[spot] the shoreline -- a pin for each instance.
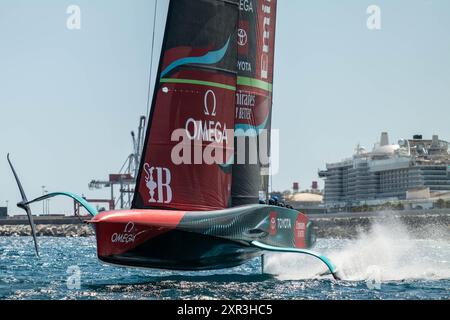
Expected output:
(48, 230)
(421, 224)
(350, 226)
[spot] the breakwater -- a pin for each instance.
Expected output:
(46, 226)
(421, 224)
(48, 230)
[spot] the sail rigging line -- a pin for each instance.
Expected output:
(149, 95)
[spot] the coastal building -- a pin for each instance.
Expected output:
(412, 170)
(308, 202)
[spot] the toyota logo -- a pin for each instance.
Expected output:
(242, 37)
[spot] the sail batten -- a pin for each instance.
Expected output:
(199, 82)
(254, 83)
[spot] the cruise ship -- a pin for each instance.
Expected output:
(411, 169)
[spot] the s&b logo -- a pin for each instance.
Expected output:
(158, 182)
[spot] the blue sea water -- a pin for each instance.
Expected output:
(380, 265)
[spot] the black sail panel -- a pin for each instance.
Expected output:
(256, 47)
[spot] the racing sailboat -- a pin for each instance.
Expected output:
(197, 199)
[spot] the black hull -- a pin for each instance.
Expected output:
(194, 241)
(184, 251)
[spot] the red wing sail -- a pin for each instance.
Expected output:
(256, 47)
(193, 107)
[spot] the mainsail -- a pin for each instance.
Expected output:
(193, 109)
(256, 47)
(214, 88)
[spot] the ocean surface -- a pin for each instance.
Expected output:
(387, 263)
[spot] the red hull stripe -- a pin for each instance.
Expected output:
(121, 231)
(153, 218)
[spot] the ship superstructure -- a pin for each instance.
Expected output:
(390, 172)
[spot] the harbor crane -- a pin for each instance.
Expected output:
(125, 180)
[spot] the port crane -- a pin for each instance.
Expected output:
(125, 180)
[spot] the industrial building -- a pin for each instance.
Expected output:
(411, 171)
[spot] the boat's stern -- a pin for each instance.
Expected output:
(120, 232)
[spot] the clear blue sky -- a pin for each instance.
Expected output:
(69, 99)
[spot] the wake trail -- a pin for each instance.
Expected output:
(388, 252)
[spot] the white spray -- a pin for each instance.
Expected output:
(387, 253)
